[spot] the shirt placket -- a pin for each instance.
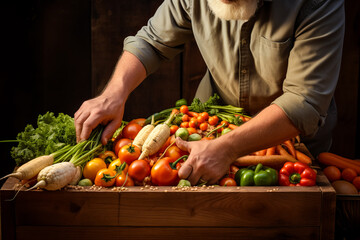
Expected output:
(244, 66)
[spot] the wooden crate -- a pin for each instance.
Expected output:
(164, 213)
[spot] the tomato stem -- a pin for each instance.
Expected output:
(173, 164)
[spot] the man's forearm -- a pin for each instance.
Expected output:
(269, 128)
(128, 74)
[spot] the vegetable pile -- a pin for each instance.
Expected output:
(143, 151)
(343, 173)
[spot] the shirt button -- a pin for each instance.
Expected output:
(243, 41)
(244, 71)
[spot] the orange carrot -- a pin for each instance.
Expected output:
(270, 151)
(301, 157)
(247, 119)
(347, 159)
(289, 145)
(283, 152)
(340, 162)
(260, 152)
(275, 161)
(193, 114)
(232, 126)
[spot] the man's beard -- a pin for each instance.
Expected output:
(233, 10)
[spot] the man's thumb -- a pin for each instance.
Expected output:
(183, 145)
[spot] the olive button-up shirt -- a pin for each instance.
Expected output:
(288, 53)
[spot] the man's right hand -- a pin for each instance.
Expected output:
(106, 110)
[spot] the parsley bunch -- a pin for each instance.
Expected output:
(51, 134)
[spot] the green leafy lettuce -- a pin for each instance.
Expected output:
(51, 134)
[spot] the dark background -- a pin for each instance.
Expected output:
(56, 54)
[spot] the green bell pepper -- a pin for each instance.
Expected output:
(256, 176)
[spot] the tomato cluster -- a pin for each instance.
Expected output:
(194, 121)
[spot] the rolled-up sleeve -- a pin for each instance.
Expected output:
(313, 67)
(164, 36)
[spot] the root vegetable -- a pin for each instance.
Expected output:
(31, 168)
(302, 157)
(76, 177)
(56, 176)
(157, 138)
(331, 159)
(274, 161)
(142, 135)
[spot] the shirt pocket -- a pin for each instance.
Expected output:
(273, 59)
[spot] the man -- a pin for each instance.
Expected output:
(279, 60)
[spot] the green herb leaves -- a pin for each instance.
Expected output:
(51, 134)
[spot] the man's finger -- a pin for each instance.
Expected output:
(183, 145)
(109, 131)
(185, 171)
(79, 121)
(87, 128)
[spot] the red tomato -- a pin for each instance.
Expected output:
(115, 165)
(205, 115)
(184, 109)
(140, 121)
(227, 181)
(139, 169)
(332, 173)
(173, 129)
(174, 152)
(348, 174)
(220, 129)
(174, 111)
(129, 153)
(120, 143)
(213, 120)
(131, 130)
(200, 119)
(163, 173)
(185, 118)
(203, 126)
(224, 122)
(108, 156)
(105, 178)
(93, 167)
(193, 123)
(184, 124)
(356, 182)
(124, 180)
(191, 130)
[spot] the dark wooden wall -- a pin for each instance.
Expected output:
(58, 53)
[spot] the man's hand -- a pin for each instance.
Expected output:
(100, 110)
(208, 161)
(108, 108)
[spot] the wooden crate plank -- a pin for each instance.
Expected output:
(328, 207)
(66, 208)
(149, 233)
(235, 209)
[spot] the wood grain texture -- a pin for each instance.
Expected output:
(163, 212)
(159, 233)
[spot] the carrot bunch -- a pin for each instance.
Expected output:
(275, 156)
